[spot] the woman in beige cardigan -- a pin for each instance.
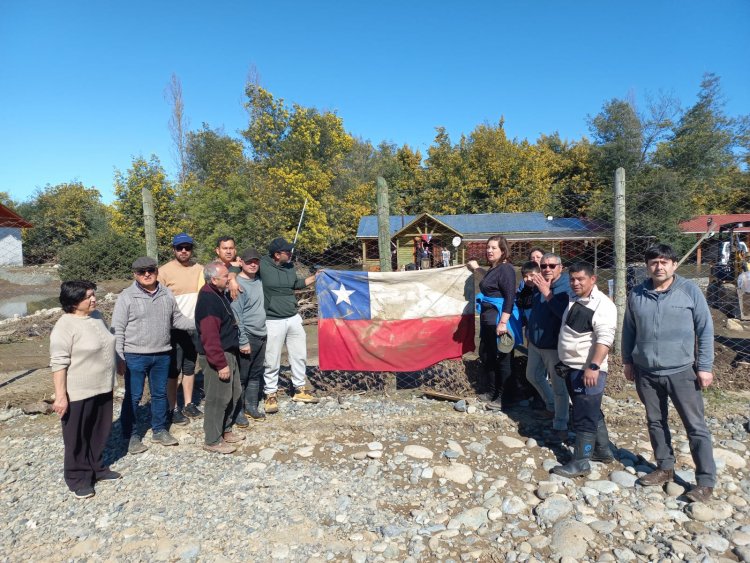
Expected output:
(82, 359)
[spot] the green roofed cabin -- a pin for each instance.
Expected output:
(565, 236)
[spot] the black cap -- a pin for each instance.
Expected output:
(279, 245)
(250, 254)
(144, 262)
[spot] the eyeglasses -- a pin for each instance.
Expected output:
(183, 247)
(144, 271)
(548, 266)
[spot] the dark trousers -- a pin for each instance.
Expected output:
(184, 355)
(587, 401)
(251, 366)
(684, 390)
(496, 365)
(221, 398)
(85, 429)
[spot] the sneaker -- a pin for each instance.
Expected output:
(84, 492)
(657, 477)
(220, 448)
(109, 475)
(164, 438)
(700, 493)
(495, 405)
(136, 446)
(191, 411)
(302, 396)
(178, 418)
(232, 438)
(272, 404)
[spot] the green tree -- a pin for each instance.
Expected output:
(62, 215)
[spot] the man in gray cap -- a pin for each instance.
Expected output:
(144, 315)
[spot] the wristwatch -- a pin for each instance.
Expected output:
(594, 367)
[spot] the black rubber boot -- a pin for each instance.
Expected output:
(602, 450)
(580, 464)
(252, 394)
(487, 382)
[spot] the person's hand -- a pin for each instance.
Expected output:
(501, 329)
(224, 374)
(590, 377)
(121, 367)
(472, 265)
(234, 288)
(60, 406)
(245, 349)
(541, 283)
(705, 378)
(628, 372)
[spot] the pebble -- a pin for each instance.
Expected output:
(553, 508)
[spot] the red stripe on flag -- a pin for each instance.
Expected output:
(403, 345)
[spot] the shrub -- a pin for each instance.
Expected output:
(102, 257)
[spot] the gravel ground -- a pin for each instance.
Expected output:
(373, 478)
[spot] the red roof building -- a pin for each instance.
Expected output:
(700, 225)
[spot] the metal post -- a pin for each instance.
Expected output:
(149, 223)
(620, 259)
(384, 225)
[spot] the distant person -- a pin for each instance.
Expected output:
(446, 255)
(549, 302)
(219, 347)
(249, 309)
(423, 256)
(183, 277)
(525, 293)
(586, 336)
(536, 253)
(83, 361)
(498, 316)
(145, 313)
(668, 350)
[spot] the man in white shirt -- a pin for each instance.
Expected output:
(586, 335)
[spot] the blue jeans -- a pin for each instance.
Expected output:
(138, 367)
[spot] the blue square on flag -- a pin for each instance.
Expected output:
(343, 295)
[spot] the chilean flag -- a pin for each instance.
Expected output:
(395, 321)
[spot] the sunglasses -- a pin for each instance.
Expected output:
(548, 266)
(144, 271)
(183, 247)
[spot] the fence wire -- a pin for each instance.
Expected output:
(32, 265)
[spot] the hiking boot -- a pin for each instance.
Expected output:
(221, 448)
(178, 418)
(495, 405)
(272, 404)
(579, 466)
(700, 493)
(301, 395)
(240, 420)
(191, 411)
(164, 438)
(108, 475)
(232, 438)
(657, 477)
(86, 491)
(602, 450)
(136, 446)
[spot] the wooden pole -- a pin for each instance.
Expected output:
(149, 223)
(384, 225)
(620, 259)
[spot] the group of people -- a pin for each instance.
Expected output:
(233, 316)
(569, 327)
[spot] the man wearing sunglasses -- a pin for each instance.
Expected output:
(144, 315)
(183, 277)
(549, 301)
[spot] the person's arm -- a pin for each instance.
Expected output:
(704, 330)
(627, 342)
(119, 323)
(180, 321)
(60, 351)
(238, 309)
(474, 266)
(604, 328)
(60, 406)
(508, 291)
(596, 356)
(211, 340)
(234, 285)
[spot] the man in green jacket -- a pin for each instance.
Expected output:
(283, 323)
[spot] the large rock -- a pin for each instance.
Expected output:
(554, 508)
(708, 511)
(510, 442)
(471, 519)
(604, 487)
(731, 459)
(513, 505)
(714, 542)
(623, 478)
(456, 472)
(418, 452)
(571, 538)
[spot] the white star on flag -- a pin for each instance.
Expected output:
(342, 294)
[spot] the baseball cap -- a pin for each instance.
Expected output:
(144, 262)
(505, 342)
(279, 245)
(182, 238)
(250, 254)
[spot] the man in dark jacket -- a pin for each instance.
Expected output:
(219, 348)
(668, 350)
(551, 295)
(283, 323)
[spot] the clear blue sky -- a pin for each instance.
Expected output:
(82, 83)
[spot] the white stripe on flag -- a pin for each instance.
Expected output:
(439, 292)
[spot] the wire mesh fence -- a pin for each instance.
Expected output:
(33, 260)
